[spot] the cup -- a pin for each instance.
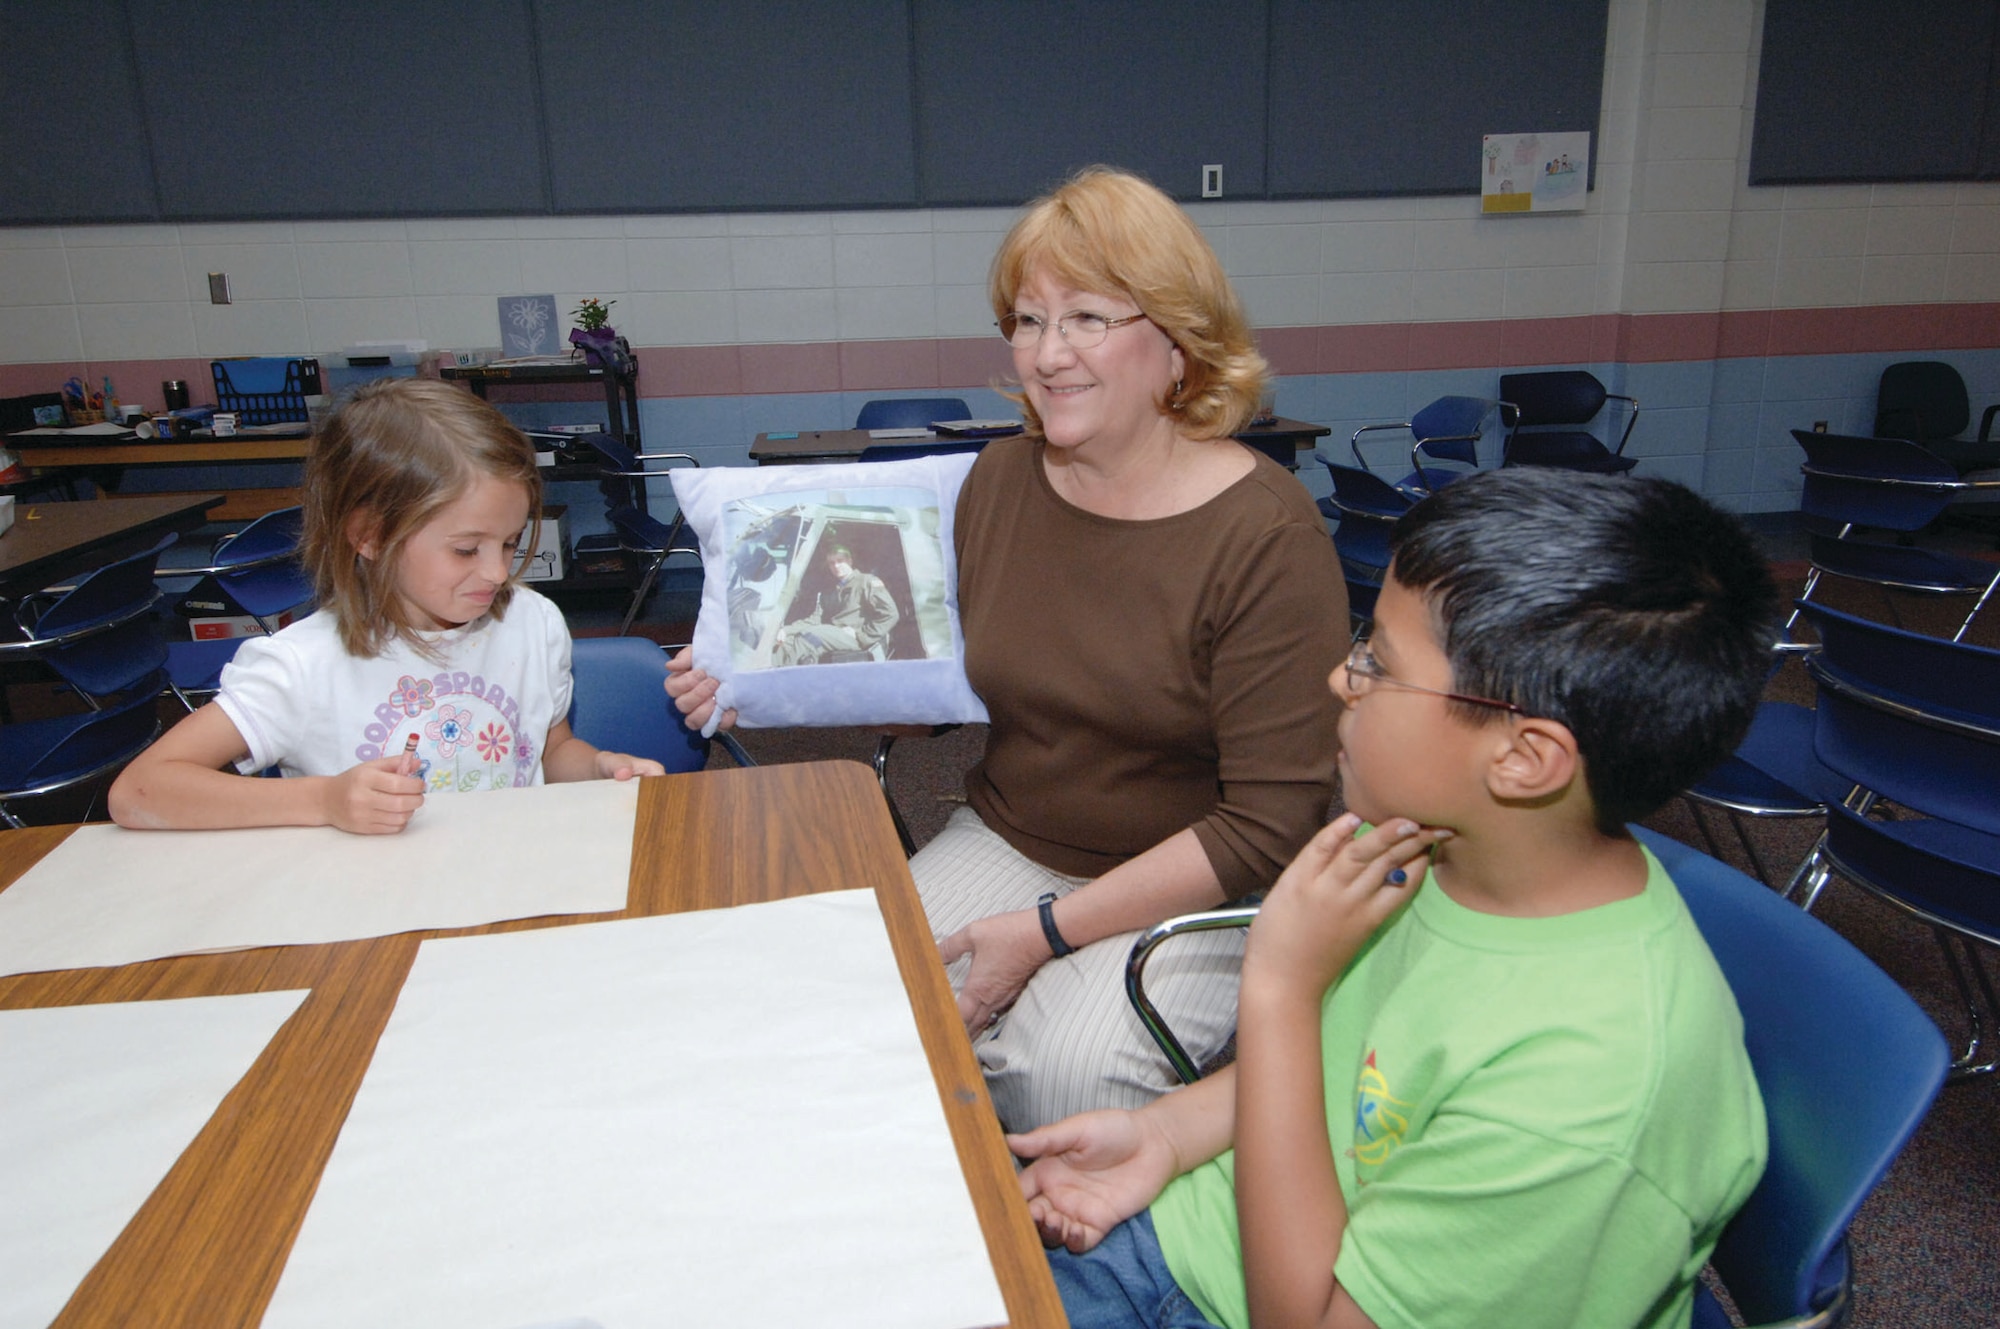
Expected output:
(175, 393)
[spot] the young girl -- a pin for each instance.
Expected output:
(417, 493)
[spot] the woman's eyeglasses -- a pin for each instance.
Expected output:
(1364, 674)
(1081, 330)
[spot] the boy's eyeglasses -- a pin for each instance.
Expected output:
(1363, 674)
(1081, 330)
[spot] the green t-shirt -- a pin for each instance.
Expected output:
(1535, 1122)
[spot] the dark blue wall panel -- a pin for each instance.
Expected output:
(1015, 96)
(291, 108)
(666, 105)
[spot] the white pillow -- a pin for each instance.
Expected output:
(765, 532)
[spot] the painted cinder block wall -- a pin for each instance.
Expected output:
(1733, 313)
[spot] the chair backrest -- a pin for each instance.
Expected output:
(103, 636)
(1847, 1065)
(618, 700)
(922, 447)
(909, 412)
(105, 739)
(1450, 428)
(1886, 482)
(1913, 718)
(1369, 507)
(273, 580)
(1921, 399)
(1554, 396)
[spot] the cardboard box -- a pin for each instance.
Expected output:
(550, 555)
(220, 626)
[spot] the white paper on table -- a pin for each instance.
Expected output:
(96, 1104)
(722, 1118)
(109, 896)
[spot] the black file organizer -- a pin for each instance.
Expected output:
(262, 391)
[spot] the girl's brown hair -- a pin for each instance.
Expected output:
(1109, 231)
(397, 451)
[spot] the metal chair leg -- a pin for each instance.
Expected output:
(881, 765)
(1966, 1064)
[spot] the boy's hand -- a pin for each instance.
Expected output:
(1335, 894)
(1006, 950)
(693, 692)
(623, 765)
(374, 798)
(1091, 1172)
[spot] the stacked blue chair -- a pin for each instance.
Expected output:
(1366, 508)
(104, 640)
(1847, 1065)
(623, 475)
(1854, 484)
(1552, 408)
(1447, 430)
(259, 568)
(1915, 720)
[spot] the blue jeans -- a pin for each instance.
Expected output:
(1123, 1283)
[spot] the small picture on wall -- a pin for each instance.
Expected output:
(528, 326)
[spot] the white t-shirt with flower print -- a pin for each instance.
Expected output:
(481, 711)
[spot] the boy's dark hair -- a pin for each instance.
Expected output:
(1631, 610)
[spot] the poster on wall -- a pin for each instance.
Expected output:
(1533, 172)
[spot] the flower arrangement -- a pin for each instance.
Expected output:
(591, 314)
(595, 338)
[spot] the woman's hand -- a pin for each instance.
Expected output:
(1092, 1172)
(693, 692)
(1339, 889)
(1006, 950)
(374, 798)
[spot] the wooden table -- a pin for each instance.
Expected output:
(1280, 440)
(52, 541)
(104, 465)
(207, 1247)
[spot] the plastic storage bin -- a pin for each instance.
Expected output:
(262, 391)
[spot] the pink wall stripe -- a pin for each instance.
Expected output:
(975, 362)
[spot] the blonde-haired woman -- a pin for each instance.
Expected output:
(1150, 610)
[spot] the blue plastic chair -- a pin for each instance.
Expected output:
(1550, 409)
(1847, 1065)
(1916, 720)
(102, 638)
(259, 568)
(618, 700)
(1846, 1062)
(910, 412)
(1367, 508)
(1446, 430)
(1852, 483)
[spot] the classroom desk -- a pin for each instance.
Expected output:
(1281, 441)
(208, 1245)
(103, 464)
(53, 541)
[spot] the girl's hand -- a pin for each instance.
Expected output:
(374, 798)
(623, 765)
(1091, 1172)
(1332, 898)
(693, 691)
(1006, 950)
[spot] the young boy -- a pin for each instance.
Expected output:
(1487, 1071)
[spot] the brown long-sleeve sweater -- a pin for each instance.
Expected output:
(1147, 676)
